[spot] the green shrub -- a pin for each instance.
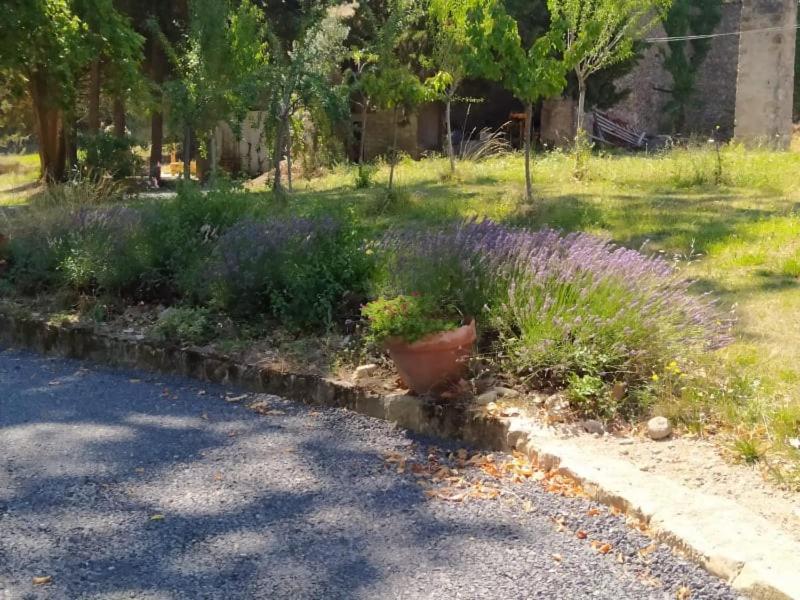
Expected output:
(35, 249)
(365, 173)
(409, 318)
(559, 310)
(791, 267)
(83, 189)
(178, 236)
(186, 325)
(108, 154)
(299, 271)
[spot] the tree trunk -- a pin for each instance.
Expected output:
(278, 154)
(156, 144)
(289, 159)
(580, 134)
(362, 143)
(187, 153)
(70, 143)
(157, 65)
(393, 159)
(93, 123)
(450, 152)
(119, 117)
(581, 103)
(212, 155)
(50, 131)
(528, 127)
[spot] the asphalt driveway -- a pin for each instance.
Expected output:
(117, 484)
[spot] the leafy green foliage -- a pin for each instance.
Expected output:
(530, 73)
(300, 76)
(214, 250)
(48, 45)
(217, 66)
(408, 318)
(108, 154)
(364, 176)
(455, 24)
(300, 272)
(601, 33)
(185, 324)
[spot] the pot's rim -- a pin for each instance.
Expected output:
(443, 340)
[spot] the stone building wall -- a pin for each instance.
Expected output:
(765, 84)
(715, 83)
(744, 86)
(380, 132)
(642, 107)
(558, 125)
(715, 97)
(250, 153)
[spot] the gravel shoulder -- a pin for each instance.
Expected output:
(119, 484)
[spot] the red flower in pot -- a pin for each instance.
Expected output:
(429, 345)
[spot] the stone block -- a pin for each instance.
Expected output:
(404, 410)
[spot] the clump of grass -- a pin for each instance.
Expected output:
(791, 267)
(81, 189)
(185, 324)
(748, 449)
(364, 176)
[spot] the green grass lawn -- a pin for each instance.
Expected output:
(18, 176)
(739, 239)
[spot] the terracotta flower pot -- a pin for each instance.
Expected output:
(434, 360)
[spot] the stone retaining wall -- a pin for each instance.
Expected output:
(445, 418)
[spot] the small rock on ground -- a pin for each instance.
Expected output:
(364, 371)
(658, 428)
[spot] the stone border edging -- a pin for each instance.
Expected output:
(729, 541)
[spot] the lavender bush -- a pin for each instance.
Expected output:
(82, 247)
(298, 270)
(559, 308)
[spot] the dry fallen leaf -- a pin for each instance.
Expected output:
(647, 550)
(43, 580)
(580, 534)
(559, 521)
(593, 512)
(449, 494)
(601, 547)
(683, 593)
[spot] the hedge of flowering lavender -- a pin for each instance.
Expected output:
(297, 270)
(559, 308)
(79, 247)
(197, 250)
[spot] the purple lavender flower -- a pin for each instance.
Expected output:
(570, 302)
